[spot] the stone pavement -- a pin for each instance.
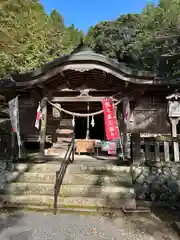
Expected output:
(39, 226)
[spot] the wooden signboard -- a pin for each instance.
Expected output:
(110, 147)
(174, 109)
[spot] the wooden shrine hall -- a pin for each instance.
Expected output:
(70, 91)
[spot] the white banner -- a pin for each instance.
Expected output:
(14, 116)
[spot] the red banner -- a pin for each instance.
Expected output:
(110, 121)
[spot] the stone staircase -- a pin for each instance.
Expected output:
(88, 185)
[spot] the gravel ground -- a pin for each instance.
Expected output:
(39, 226)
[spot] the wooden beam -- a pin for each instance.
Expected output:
(77, 99)
(59, 90)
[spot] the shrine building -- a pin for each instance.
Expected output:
(70, 91)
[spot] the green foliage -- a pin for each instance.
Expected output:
(29, 37)
(144, 40)
(110, 37)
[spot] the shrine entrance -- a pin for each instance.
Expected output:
(84, 122)
(98, 131)
(96, 128)
(80, 128)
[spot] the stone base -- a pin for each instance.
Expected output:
(177, 227)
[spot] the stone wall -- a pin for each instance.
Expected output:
(157, 183)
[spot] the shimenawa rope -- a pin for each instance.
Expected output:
(81, 114)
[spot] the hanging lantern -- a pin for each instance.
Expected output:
(92, 122)
(56, 112)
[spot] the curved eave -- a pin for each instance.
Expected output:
(83, 61)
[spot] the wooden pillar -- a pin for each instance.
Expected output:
(174, 122)
(43, 125)
(126, 135)
(174, 115)
(136, 154)
(87, 130)
(147, 149)
(142, 151)
(157, 151)
(166, 152)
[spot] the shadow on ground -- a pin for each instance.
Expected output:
(157, 223)
(152, 225)
(10, 219)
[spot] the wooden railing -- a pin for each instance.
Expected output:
(69, 158)
(156, 149)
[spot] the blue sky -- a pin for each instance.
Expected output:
(85, 13)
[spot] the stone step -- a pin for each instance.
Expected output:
(75, 209)
(78, 179)
(101, 169)
(64, 131)
(37, 158)
(64, 139)
(93, 161)
(70, 190)
(69, 202)
(79, 159)
(63, 135)
(49, 167)
(60, 145)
